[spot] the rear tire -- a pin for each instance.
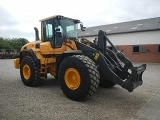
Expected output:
(29, 71)
(79, 77)
(1, 56)
(106, 83)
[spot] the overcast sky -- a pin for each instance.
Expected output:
(19, 17)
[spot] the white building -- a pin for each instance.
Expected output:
(139, 40)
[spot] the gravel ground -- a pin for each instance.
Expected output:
(19, 102)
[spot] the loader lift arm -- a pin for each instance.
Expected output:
(108, 62)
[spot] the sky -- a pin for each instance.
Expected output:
(19, 17)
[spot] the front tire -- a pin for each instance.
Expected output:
(79, 77)
(29, 71)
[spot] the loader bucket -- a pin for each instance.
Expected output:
(135, 79)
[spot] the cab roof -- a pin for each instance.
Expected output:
(58, 16)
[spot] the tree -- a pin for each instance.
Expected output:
(14, 43)
(4, 44)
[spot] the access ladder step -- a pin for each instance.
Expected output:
(43, 72)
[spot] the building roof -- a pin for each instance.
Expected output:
(124, 27)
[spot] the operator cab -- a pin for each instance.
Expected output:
(57, 28)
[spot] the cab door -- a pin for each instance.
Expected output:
(53, 33)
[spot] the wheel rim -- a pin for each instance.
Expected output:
(26, 72)
(72, 78)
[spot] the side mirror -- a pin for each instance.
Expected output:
(82, 28)
(58, 29)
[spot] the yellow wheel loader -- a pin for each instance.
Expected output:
(80, 68)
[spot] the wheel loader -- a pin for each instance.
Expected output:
(81, 67)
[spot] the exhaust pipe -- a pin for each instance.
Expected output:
(36, 34)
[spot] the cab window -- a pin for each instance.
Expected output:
(48, 31)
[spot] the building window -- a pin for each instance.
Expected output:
(159, 48)
(139, 49)
(135, 49)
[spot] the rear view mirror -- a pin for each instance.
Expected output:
(82, 28)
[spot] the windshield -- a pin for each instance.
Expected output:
(67, 27)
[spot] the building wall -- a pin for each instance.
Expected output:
(147, 37)
(151, 53)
